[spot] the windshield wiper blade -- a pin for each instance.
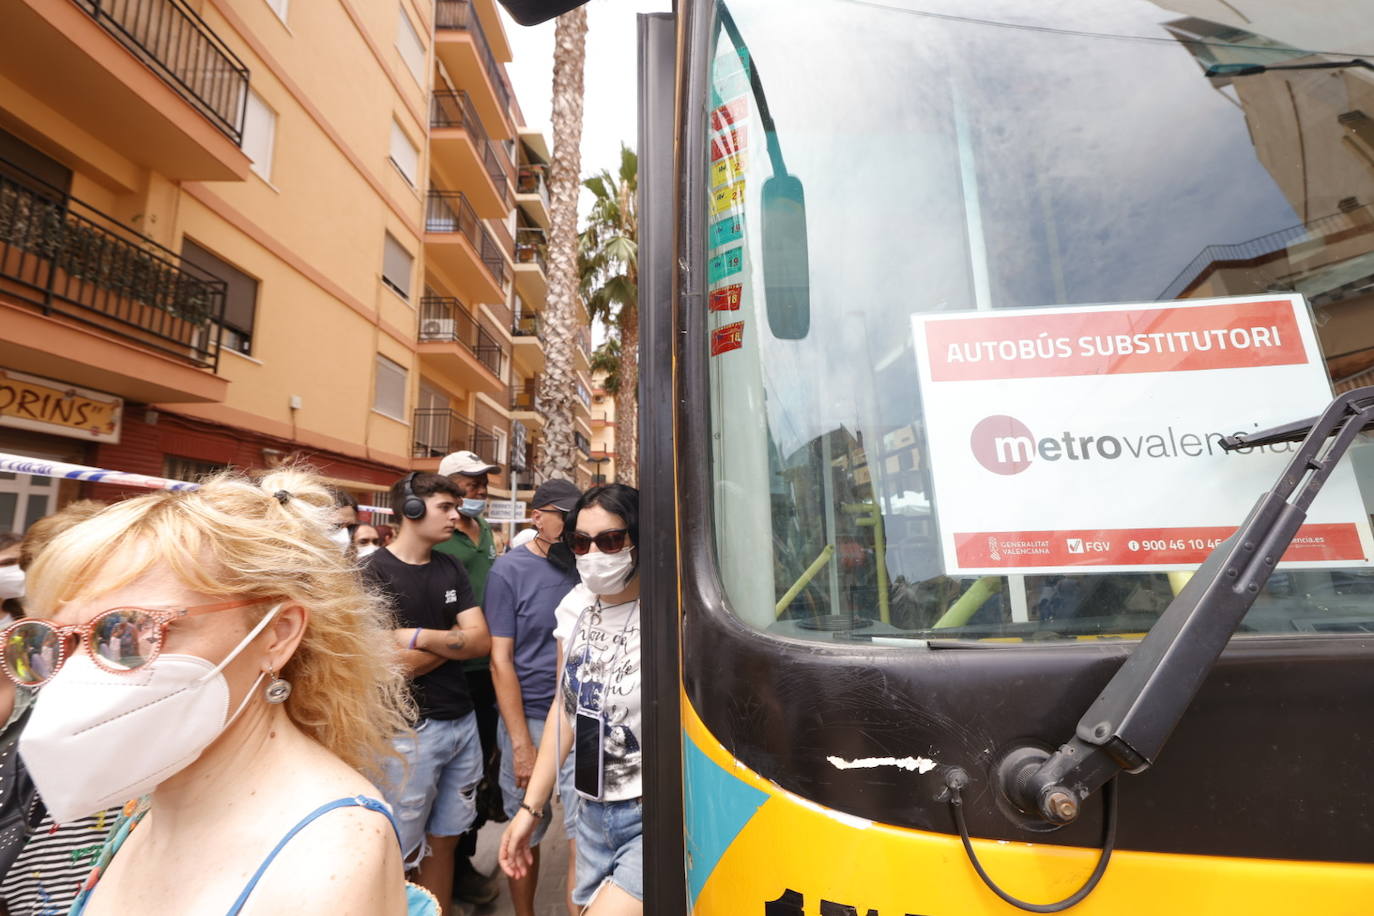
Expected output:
(1286, 432)
(1126, 727)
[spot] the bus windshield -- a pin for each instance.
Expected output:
(989, 280)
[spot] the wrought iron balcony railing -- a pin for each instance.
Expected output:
(439, 431)
(454, 108)
(184, 51)
(584, 444)
(460, 15)
(525, 326)
(449, 211)
(72, 260)
(530, 247)
(443, 318)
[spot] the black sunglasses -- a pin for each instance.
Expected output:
(612, 541)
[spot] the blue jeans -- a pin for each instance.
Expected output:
(512, 796)
(433, 789)
(610, 848)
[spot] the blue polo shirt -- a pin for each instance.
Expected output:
(523, 590)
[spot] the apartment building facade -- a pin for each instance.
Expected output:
(238, 233)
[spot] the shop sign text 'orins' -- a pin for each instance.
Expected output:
(1088, 437)
(48, 406)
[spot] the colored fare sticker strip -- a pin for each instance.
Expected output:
(729, 114)
(725, 299)
(729, 143)
(728, 197)
(727, 337)
(725, 231)
(725, 264)
(727, 169)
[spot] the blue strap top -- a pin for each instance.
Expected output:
(418, 901)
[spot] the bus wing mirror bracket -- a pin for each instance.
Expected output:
(1127, 725)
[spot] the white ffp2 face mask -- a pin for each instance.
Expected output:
(97, 739)
(11, 582)
(605, 573)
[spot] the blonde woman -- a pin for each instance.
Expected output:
(257, 688)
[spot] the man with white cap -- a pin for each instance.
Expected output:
(472, 545)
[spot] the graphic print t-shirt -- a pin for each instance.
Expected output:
(429, 596)
(601, 673)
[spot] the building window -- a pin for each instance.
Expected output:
(396, 267)
(389, 388)
(404, 154)
(259, 134)
(174, 467)
(411, 48)
(279, 7)
(500, 456)
(240, 300)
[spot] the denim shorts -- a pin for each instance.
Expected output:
(513, 796)
(610, 848)
(434, 791)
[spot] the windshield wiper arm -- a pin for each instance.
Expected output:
(1252, 69)
(1128, 723)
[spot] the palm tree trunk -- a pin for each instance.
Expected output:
(627, 400)
(557, 327)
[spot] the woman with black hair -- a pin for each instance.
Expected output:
(599, 705)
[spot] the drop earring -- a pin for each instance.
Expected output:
(278, 688)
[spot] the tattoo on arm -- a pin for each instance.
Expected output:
(457, 639)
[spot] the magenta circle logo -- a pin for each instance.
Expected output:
(1002, 444)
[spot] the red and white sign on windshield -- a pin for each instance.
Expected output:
(1087, 438)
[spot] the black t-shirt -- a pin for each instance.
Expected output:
(428, 596)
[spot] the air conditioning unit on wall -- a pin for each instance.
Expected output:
(436, 329)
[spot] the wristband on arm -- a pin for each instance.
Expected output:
(537, 815)
(415, 637)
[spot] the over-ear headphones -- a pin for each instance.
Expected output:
(412, 506)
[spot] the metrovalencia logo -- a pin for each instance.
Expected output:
(1004, 445)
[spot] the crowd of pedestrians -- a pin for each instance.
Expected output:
(245, 698)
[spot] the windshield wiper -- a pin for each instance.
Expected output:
(1252, 69)
(1128, 723)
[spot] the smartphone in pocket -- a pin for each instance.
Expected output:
(589, 762)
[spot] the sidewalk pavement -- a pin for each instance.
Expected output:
(551, 897)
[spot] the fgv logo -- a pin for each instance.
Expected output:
(1003, 444)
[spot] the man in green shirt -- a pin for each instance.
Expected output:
(473, 546)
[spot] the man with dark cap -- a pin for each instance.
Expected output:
(523, 590)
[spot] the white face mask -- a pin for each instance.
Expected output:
(366, 550)
(97, 739)
(11, 582)
(340, 536)
(605, 573)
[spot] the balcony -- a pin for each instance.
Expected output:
(582, 353)
(439, 431)
(84, 297)
(147, 78)
(452, 342)
(462, 45)
(528, 351)
(461, 151)
(532, 194)
(584, 444)
(459, 246)
(531, 266)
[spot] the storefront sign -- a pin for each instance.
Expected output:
(503, 510)
(47, 406)
(1087, 437)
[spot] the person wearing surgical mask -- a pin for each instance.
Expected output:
(366, 540)
(597, 632)
(205, 653)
